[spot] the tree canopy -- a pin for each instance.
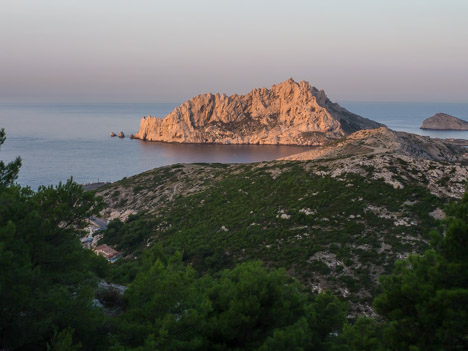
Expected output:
(425, 300)
(46, 277)
(246, 308)
(8, 172)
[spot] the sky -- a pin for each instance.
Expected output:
(170, 51)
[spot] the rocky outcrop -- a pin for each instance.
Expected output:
(384, 140)
(289, 113)
(443, 121)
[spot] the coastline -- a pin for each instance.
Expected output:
(56, 141)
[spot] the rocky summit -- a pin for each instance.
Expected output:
(443, 121)
(288, 113)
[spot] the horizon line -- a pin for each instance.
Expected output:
(181, 102)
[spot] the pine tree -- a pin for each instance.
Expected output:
(46, 277)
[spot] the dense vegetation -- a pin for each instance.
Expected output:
(185, 292)
(337, 233)
(47, 279)
(247, 308)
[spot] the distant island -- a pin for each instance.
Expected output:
(443, 121)
(288, 113)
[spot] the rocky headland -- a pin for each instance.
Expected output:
(288, 113)
(443, 121)
(384, 140)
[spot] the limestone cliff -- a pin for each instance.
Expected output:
(289, 113)
(443, 121)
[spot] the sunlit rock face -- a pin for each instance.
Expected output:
(288, 113)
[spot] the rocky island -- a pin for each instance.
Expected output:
(288, 113)
(443, 121)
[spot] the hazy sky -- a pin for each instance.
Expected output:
(156, 51)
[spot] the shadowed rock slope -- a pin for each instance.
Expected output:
(289, 113)
(384, 140)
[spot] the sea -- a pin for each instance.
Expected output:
(57, 141)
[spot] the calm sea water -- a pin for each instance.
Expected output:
(57, 141)
(408, 116)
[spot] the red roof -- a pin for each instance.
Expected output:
(106, 251)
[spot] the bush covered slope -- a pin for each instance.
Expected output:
(335, 225)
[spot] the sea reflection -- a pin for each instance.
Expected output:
(189, 153)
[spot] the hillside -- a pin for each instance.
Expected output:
(288, 113)
(335, 224)
(384, 140)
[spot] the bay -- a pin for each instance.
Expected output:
(57, 141)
